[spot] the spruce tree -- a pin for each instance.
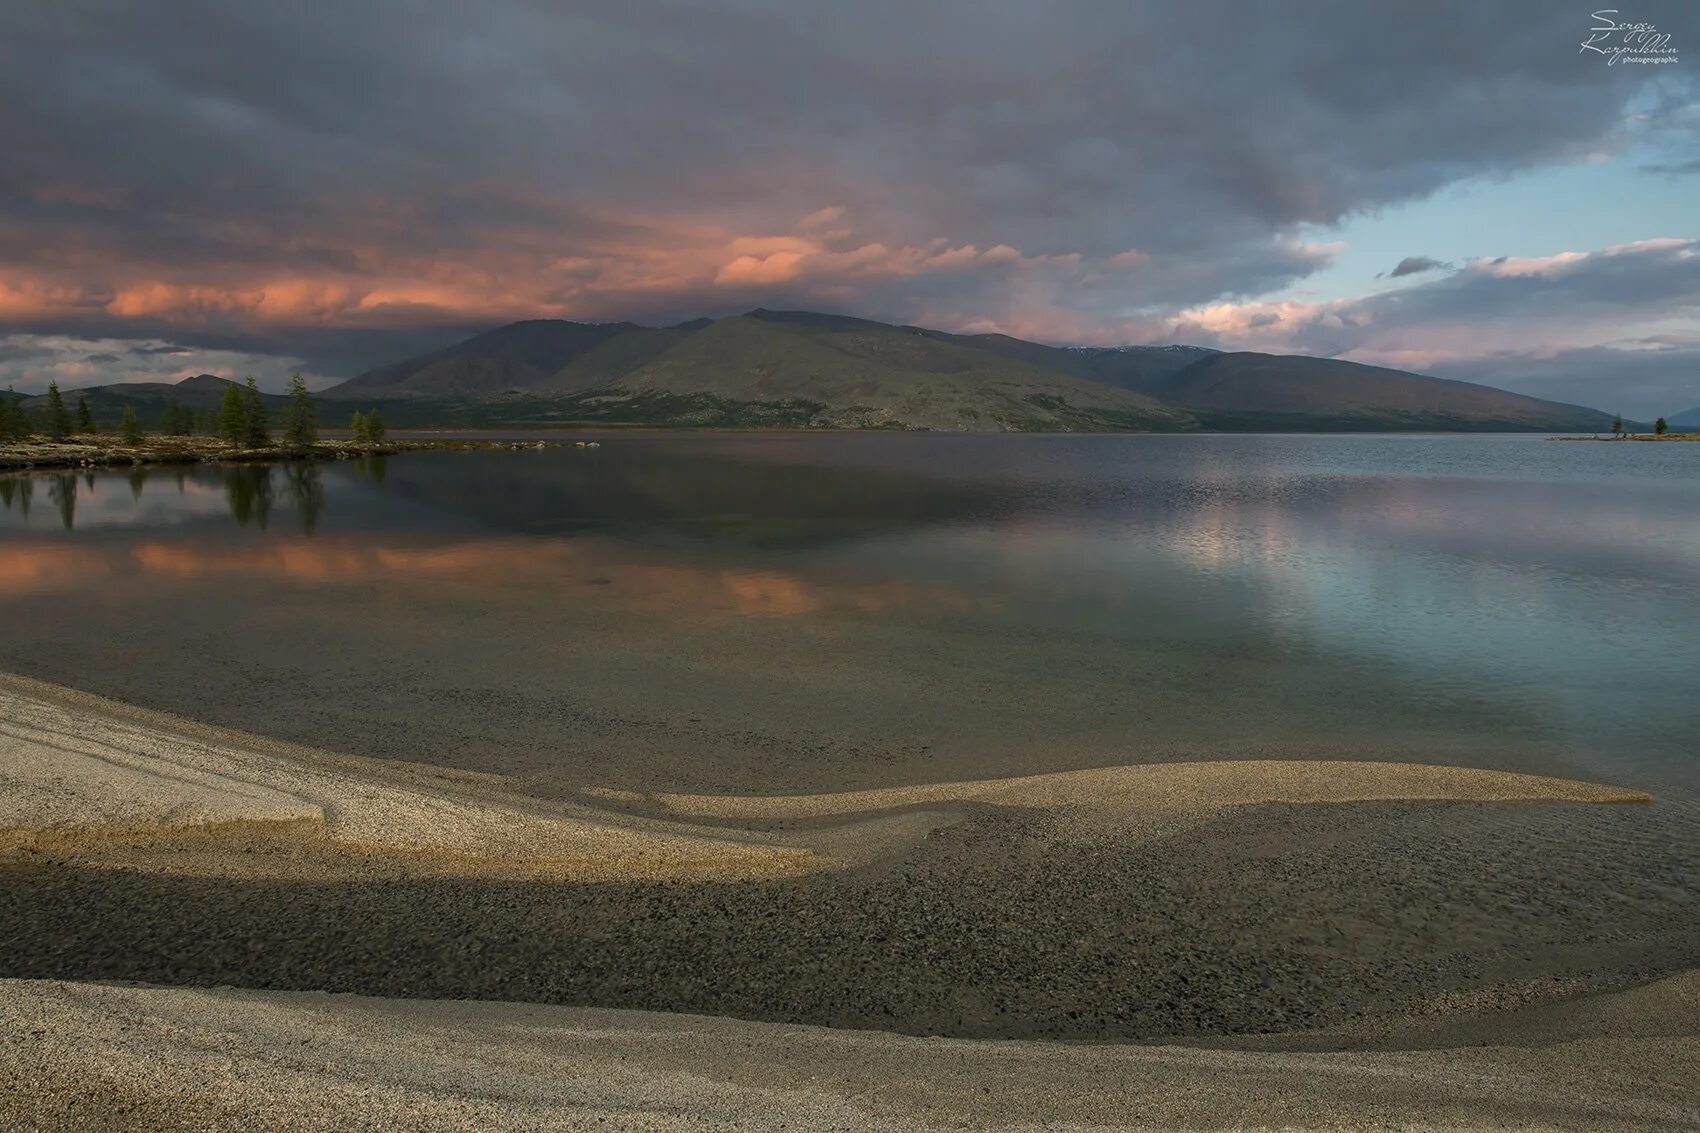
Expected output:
(357, 426)
(58, 418)
(130, 427)
(374, 428)
(179, 419)
(13, 425)
(259, 433)
(301, 423)
(1617, 425)
(233, 415)
(1660, 426)
(85, 419)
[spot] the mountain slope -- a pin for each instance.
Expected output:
(1687, 419)
(513, 357)
(1136, 368)
(1247, 390)
(867, 373)
(615, 357)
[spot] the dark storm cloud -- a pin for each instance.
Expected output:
(346, 185)
(1416, 265)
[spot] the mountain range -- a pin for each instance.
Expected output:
(200, 393)
(803, 369)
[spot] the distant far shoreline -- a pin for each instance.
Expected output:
(1635, 437)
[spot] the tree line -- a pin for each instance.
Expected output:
(241, 419)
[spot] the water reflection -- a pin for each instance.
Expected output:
(248, 491)
(18, 491)
(1099, 598)
(62, 490)
(306, 491)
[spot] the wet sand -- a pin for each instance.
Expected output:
(1321, 905)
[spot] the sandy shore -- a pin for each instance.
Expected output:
(92, 1057)
(1496, 950)
(90, 780)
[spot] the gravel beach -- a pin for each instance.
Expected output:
(1320, 905)
(97, 1058)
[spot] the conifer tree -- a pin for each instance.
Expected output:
(301, 422)
(85, 419)
(233, 415)
(374, 428)
(259, 434)
(357, 426)
(14, 426)
(130, 426)
(1660, 426)
(58, 418)
(179, 419)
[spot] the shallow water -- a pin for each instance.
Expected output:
(806, 612)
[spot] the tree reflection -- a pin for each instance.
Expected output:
(373, 468)
(248, 491)
(306, 492)
(62, 490)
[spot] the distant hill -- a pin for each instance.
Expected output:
(1276, 391)
(764, 368)
(1687, 419)
(802, 369)
(149, 399)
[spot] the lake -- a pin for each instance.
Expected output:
(796, 612)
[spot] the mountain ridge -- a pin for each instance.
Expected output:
(788, 367)
(806, 369)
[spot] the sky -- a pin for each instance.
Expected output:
(1459, 189)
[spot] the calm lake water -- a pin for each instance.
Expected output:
(805, 612)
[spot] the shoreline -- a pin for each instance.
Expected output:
(51, 455)
(92, 780)
(1659, 437)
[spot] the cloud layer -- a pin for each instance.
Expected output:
(273, 181)
(1577, 326)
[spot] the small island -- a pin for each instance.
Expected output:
(1636, 437)
(1661, 432)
